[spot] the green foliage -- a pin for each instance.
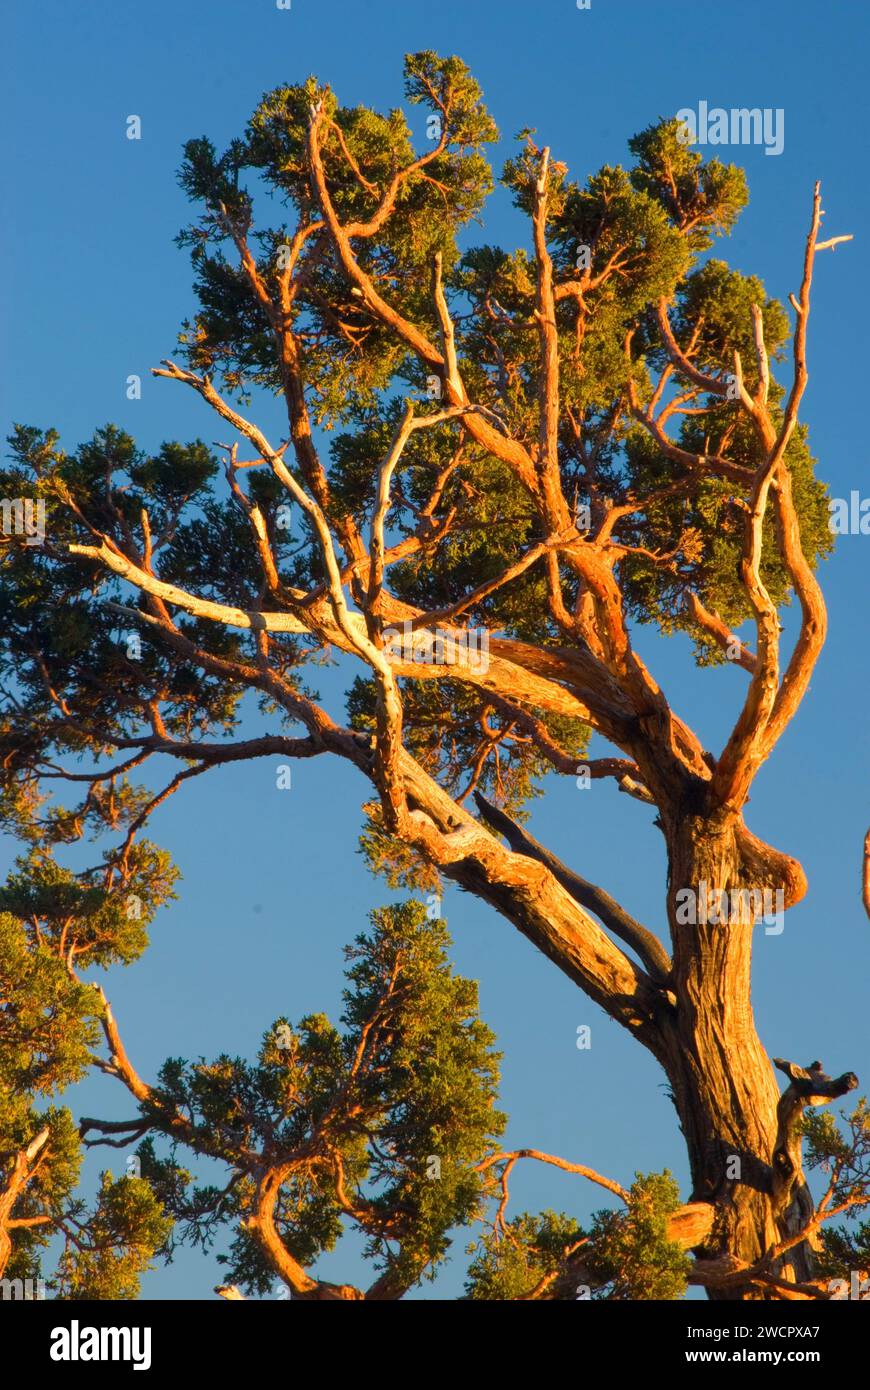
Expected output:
(82, 919)
(703, 198)
(47, 1019)
(433, 204)
(448, 732)
(625, 1254)
(410, 1074)
(409, 1078)
(840, 1149)
(49, 1027)
(114, 1244)
(630, 1253)
(645, 226)
(713, 308)
(514, 1264)
(48, 1198)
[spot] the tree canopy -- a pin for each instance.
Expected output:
(518, 454)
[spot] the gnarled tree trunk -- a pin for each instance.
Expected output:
(723, 1082)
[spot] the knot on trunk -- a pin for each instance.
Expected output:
(772, 867)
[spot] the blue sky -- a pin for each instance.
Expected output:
(94, 290)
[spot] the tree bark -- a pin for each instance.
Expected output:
(723, 1082)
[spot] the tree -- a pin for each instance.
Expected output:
(496, 462)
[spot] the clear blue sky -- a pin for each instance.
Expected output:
(94, 290)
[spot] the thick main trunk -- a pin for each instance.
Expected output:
(723, 1082)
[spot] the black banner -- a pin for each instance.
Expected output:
(60, 1340)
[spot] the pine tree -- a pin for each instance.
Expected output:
(496, 463)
